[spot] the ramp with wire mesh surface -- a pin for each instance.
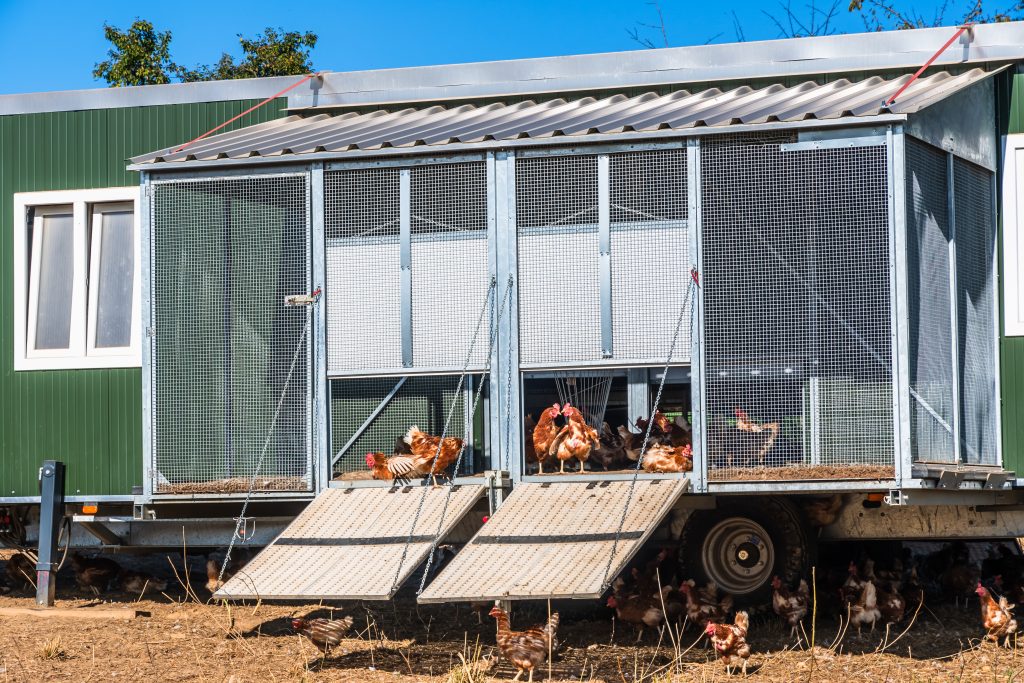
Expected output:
(348, 544)
(555, 540)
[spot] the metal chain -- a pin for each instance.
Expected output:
(266, 446)
(650, 425)
(488, 305)
(451, 484)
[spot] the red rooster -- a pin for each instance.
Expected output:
(996, 617)
(576, 439)
(730, 642)
(525, 650)
(544, 434)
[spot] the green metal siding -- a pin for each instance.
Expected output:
(90, 419)
(1011, 349)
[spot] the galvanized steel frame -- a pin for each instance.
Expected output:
(898, 302)
(698, 384)
(148, 357)
(954, 308)
(318, 255)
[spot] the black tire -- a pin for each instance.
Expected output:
(789, 546)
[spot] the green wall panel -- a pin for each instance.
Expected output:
(1011, 351)
(90, 419)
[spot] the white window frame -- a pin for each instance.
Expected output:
(1013, 235)
(82, 353)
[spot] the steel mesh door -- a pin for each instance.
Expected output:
(797, 326)
(559, 209)
(559, 296)
(928, 298)
(450, 274)
(363, 296)
(975, 258)
(228, 356)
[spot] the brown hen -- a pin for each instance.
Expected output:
(525, 650)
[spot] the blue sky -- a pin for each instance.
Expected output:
(54, 45)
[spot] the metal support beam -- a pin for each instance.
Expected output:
(638, 393)
(698, 386)
(51, 515)
(100, 531)
(320, 413)
(148, 335)
(405, 236)
(605, 253)
(954, 323)
(368, 421)
(899, 311)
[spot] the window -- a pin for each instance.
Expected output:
(76, 279)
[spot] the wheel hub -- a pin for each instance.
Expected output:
(738, 555)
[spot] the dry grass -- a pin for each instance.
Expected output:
(53, 649)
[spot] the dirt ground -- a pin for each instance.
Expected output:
(181, 638)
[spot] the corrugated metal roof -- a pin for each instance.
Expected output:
(498, 123)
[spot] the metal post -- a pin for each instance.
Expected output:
(51, 515)
(899, 315)
(996, 289)
(638, 396)
(322, 464)
(507, 343)
(490, 397)
(148, 336)
(405, 236)
(605, 253)
(954, 319)
(698, 387)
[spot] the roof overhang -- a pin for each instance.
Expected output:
(617, 118)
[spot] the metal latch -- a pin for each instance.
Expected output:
(245, 528)
(895, 498)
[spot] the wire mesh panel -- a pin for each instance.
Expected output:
(975, 256)
(558, 211)
(650, 254)
(559, 292)
(363, 298)
(928, 299)
(421, 401)
(231, 368)
(796, 308)
(450, 274)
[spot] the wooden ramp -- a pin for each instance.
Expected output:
(348, 543)
(554, 540)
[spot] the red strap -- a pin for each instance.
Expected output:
(889, 102)
(250, 109)
(695, 276)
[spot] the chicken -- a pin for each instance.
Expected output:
(865, 609)
(213, 568)
(771, 429)
(425, 448)
(630, 442)
(638, 609)
(525, 650)
(660, 430)
(996, 617)
(791, 605)
(139, 582)
(663, 459)
(851, 589)
(730, 641)
(913, 592)
(958, 581)
(891, 605)
(94, 573)
(544, 434)
(21, 570)
(529, 424)
(611, 454)
(324, 633)
(576, 439)
(703, 605)
(823, 511)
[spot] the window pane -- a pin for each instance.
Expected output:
(56, 282)
(115, 280)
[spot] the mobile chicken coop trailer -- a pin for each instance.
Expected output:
(760, 243)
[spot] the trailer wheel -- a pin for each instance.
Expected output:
(743, 544)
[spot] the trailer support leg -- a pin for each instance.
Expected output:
(51, 514)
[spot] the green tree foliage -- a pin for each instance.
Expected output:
(139, 55)
(275, 52)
